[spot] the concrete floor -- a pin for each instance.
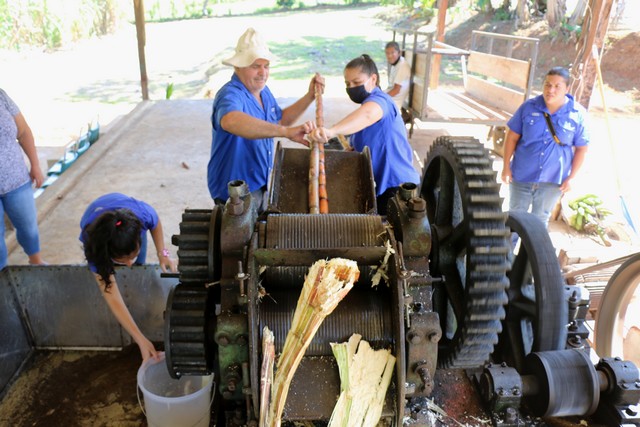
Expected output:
(158, 153)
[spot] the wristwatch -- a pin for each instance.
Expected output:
(165, 252)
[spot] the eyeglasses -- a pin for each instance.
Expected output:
(126, 260)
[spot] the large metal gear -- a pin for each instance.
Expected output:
(537, 313)
(190, 311)
(199, 245)
(470, 248)
(189, 326)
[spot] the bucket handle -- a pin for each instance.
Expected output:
(213, 393)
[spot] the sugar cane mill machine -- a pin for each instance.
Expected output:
(456, 297)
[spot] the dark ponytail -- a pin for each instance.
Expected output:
(113, 234)
(365, 64)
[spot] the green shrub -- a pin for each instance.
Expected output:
(285, 3)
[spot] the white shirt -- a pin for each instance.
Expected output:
(400, 74)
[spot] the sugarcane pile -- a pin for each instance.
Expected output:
(587, 214)
(326, 284)
(365, 375)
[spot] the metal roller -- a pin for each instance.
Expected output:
(365, 312)
(560, 374)
(315, 232)
(323, 231)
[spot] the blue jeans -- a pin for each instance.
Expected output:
(540, 196)
(142, 255)
(21, 210)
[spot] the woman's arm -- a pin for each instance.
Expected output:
(366, 115)
(121, 312)
(166, 262)
(26, 141)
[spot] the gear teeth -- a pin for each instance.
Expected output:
(487, 246)
(186, 331)
(489, 215)
(196, 255)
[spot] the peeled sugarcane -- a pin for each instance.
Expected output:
(266, 375)
(365, 375)
(326, 284)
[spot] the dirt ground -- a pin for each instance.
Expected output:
(621, 53)
(84, 389)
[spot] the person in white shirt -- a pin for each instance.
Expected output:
(399, 74)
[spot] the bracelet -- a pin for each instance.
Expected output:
(165, 252)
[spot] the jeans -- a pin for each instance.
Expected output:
(21, 210)
(540, 196)
(142, 255)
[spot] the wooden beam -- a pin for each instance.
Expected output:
(138, 7)
(596, 24)
(435, 65)
(504, 69)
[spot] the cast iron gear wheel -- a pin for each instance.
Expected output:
(199, 246)
(469, 251)
(537, 313)
(189, 317)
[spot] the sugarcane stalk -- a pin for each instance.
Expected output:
(319, 107)
(326, 284)
(266, 376)
(314, 166)
(323, 198)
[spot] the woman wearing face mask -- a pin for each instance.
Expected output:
(377, 124)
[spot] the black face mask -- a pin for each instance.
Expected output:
(357, 94)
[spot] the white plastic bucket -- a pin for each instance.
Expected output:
(170, 402)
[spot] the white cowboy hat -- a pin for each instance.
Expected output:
(250, 47)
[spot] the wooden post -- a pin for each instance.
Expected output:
(138, 7)
(596, 25)
(435, 65)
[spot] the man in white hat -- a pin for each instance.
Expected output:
(246, 118)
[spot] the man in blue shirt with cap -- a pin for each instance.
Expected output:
(246, 118)
(548, 139)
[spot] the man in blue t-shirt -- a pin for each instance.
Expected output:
(246, 118)
(548, 139)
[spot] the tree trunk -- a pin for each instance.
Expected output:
(577, 17)
(618, 14)
(583, 71)
(555, 12)
(522, 11)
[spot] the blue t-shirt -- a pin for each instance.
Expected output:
(391, 155)
(113, 201)
(537, 157)
(234, 157)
